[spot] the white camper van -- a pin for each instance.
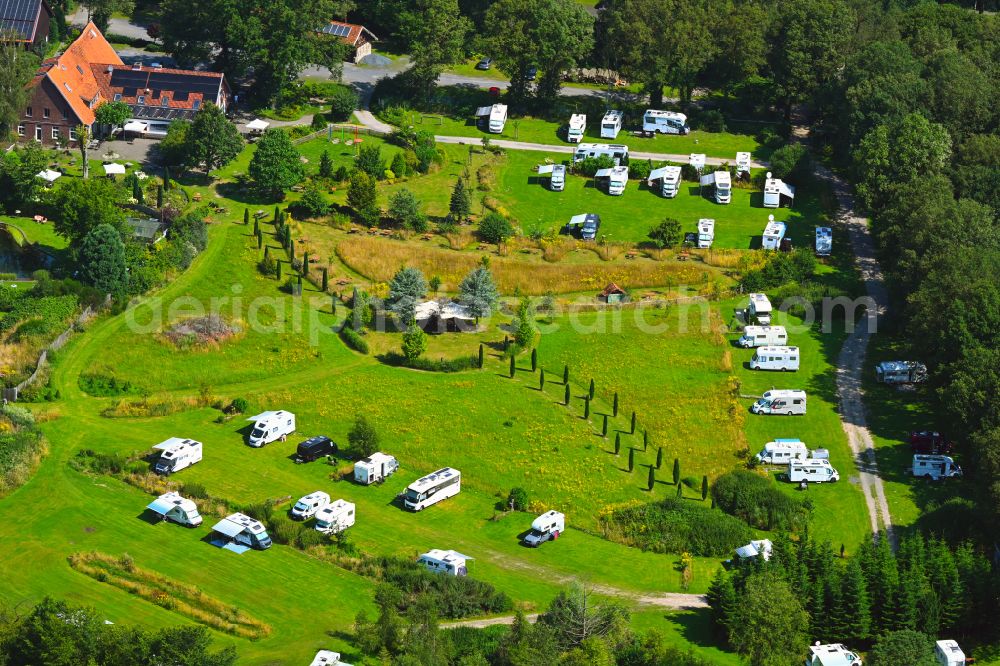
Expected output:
(773, 234)
(833, 654)
(812, 470)
(706, 233)
(758, 548)
(577, 126)
(824, 241)
(445, 561)
(611, 124)
(670, 180)
(783, 451)
(242, 530)
(664, 122)
(775, 358)
(557, 175)
(948, 653)
(742, 165)
(774, 190)
(176, 454)
(762, 336)
(498, 118)
(176, 509)
(307, 507)
(781, 401)
(431, 489)
(547, 526)
(935, 468)
(335, 517)
(328, 658)
(617, 179)
(722, 183)
(616, 151)
(759, 309)
(376, 468)
(271, 426)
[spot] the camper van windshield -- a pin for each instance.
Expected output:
(414, 496)
(257, 432)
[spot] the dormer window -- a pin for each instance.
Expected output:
(118, 97)
(196, 105)
(141, 99)
(164, 101)
(66, 85)
(79, 69)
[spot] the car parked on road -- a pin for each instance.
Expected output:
(485, 63)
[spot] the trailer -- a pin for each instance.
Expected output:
(935, 467)
(759, 309)
(785, 359)
(617, 178)
(773, 234)
(782, 451)
(585, 226)
(176, 509)
(376, 468)
(314, 448)
(776, 191)
(616, 151)
(611, 124)
(832, 654)
(781, 401)
(445, 561)
(239, 533)
(576, 128)
(556, 174)
(763, 336)
(271, 426)
(431, 489)
(706, 233)
(948, 653)
(722, 184)
(670, 180)
(495, 117)
(328, 658)
(900, 372)
(335, 517)
(742, 166)
(307, 506)
(546, 527)
(824, 241)
(812, 470)
(176, 453)
(665, 122)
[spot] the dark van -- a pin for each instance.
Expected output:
(315, 448)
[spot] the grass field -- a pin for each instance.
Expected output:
(37, 232)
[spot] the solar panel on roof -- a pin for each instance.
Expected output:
(337, 30)
(19, 16)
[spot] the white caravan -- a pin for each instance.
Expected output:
(176, 454)
(376, 468)
(577, 126)
(812, 470)
(617, 179)
(935, 468)
(557, 175)
(307, 507)
(774, 190)
(242, 530)
(759, 309)
(742, 165)
(782, 452)
(722, 183)
(547, 527)
(755, 549)
(445, 561)
(335, 517)
(697, 160)
(900, 372)
(616, 151)
(664, 122)
(431, 489)
(781, 401)
(775, 358)
(706, 233)
(773, 234)
(833, 654)
(176, 509)
(611, 124)
(670, 180)
(497, 118)
(271, 426)
(948, 653)
(762, 336)
(824, 241)
(328, 658)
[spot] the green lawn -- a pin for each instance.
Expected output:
(37, 232)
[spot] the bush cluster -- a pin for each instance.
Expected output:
(354, 340)
(757, 500)
(676, 526)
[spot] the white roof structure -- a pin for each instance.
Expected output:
(619, 171)
(612, 115)
(833, 654)
(577, 121)
(774, 228)
(429, 481)
(173, 442)
(447, 556)
(265, 416)
(670, 115)
(258, 125)
(742, 162)
(48, 175)
(716, 178)
(951, 651)
(545, 168)
(237, 523)
(136, 126)
(753, 549)
(114, 169)
(165, 503)
(442, 310)
(777, 186)
(760, 302)
(697, 160)
(327, 658)
(668, 173)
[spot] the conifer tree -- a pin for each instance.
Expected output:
(614, 406)
(461, 203)
(326, 279)
(592, 388)
(652, 478)
(260, 242)
(482, 356)
(857, 608)
(645, 439)
(659, 457)
(159, 196)
(246, 219)
(565, 374)
(677, 470)
(534, 359)
(541, 379)
(604, 427)
(512, 367)
(618, 443)
(566, 399)
(277, 270)
(586, 407)
(632, 429)
(631, 459)
(704, 488)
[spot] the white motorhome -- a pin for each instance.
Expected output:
(706, 233)
(900, 372)
(611, 124)
(431, 489)
(782, 451)
(697, 160)
(335, 517)
(577, 126)
(617, 178)
(773, 234)
(307, 507)
(935, 467)
(176, 509)
(812, 470)
(243, 532)
(824, 241)
(761, 548)
(664, 122)
(328, 658)
(546, 527)
(376, 468)
(557, 175)
(774, 190)
(781, 401)
(833, 654)
(445, 561)
(670, 180)
(948, 653)
(176, 454)
(759, 309)
(762, 336)
(497, 118)
(616, 151)
(742, 165)
(775, 358)
(722, 183)
(271, 426)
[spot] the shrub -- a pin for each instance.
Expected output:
(343, 102)
(312, 203)
(495, 228)
(782, 268)
(790, 161)
(639, 169)
(712, 121)
(308, 538)
(354, 340)
(676, 526)
(318, 122)
(101, 385)
(756, 500)
(341, 174)
(518, 499)
(589, 165)
(194, 490)
(239, 406)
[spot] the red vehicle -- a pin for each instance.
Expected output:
(926, 441)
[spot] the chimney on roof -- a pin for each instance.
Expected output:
(111, 68)
(137, 65)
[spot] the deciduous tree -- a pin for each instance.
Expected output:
(275, 166)
(363, 437)
(213, 141)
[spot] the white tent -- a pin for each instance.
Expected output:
(258, 125)
(708, 179)
(603, 173)
(114, 169)
(50, 176)
(136, 126)
(545, 168)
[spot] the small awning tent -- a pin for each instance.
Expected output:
(786, 190)
(483, 111)
(258, 125)
(657, 174)
(161, 505)
(136, 126)
(545, 168)
(49, 175)
(227, 527)
(578, 220)
(603, 173)
(708, 179)
(114, 169)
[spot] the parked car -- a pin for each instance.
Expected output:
(315, 448)
(485, 63)
(531, 73)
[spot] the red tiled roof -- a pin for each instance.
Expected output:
(355, 33)
(157, 91)
(72, 75)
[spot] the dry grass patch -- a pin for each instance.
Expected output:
(210, 330)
